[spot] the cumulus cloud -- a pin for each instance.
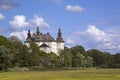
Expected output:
(39, 21)
(21, 35)
(58, 1)
(70, 41)
(19, 21)
(95, 38)
(97, 34)
(75, 8)
(7, 4)
(2, 17)
(103, 39)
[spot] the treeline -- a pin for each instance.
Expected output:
(13, 53)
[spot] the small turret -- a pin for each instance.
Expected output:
(59, 37)
(38, 31)
(28, 35)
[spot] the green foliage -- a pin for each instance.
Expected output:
(15, 49)
(13, 53)
(117, 58)
(89, 61)
(79, 49)
(80, 58)
(66, 58)
(116, 63)
(35, 52)
(97, 57)
(4, 42)
(53, 60)
(5, 58)
(24, 57)
(101, 59)
(14, 39)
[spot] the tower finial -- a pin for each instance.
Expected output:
(29, 35)
(37, 32)
(59, 30)
(59, 33)
(59, 37)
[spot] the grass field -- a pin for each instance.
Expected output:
(84, 74)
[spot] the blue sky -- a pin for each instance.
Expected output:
(90, 23)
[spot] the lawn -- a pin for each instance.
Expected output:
(82, 74)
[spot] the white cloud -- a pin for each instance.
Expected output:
(58, 1)
(39, 21)
(95, 38)
(7, 4)
(19, 21)
(97, 34)
(76, 8)
(6, 7)
(70, 41)
(2, 17)
(21, 35)
(104, 40)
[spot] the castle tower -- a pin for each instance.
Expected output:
(60, 41)
(59, 37)
(38, 31)
(28, 35)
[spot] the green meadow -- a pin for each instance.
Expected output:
(82, 74)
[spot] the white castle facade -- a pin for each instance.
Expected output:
(46, 42)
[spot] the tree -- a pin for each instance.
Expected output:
(89, 61)
(100, 59)
(53, 61)
(97, 57)
(35, 53)
(4, 42)
(24, 57)
(78, 60)
(79, 49)
(79, 56)
(66, 57)
(5, 58)
(15, 49)
(117, 58)
(13, 39)
(108, 59)
(116, 61)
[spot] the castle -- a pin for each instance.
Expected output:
(46, 42)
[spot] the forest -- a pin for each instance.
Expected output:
(13, 53)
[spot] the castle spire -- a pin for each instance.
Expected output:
(59, 37)
(38, 31)
(29, 35)
(59, 33)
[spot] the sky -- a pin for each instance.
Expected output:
(94, 24)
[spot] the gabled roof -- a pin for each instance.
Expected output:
(43, 38)
(47, 37)
(44, 45)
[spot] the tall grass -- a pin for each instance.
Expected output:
(82, 74)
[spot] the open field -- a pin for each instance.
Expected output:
(86, 74)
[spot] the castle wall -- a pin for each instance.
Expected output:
(27, 44)
(52, 45)
(60, 46)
